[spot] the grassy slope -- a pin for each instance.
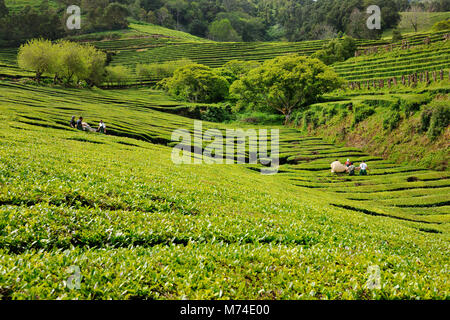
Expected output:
(404, 144)
(139, 226)
(426, 20)
(398, 62)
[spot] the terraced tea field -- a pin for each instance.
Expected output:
(151, 44)
(400, 192)
(397, 63)
(17, 5)
(139, 226)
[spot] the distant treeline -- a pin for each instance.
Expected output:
(221, 20)
(45, 20)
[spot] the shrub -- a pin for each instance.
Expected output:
(362, 112)
(219, 113)
(337, 50)
(441, 25)
(440, 119)
(412, 106)
(310, 118)
(425, 118)
(392, 121)
(197, 83)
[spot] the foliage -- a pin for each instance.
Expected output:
(160, 70)
(29, 22)
(235, 69)
(396, 36)
(222, 30)
(337, 50)
(392, 121)
(439, 121)
(441, 25)
(285, 84)
(67, 61)
(414, 104)
(361, 113)
(197, 83)
(37, 55)
(219, 113)
(117, 75)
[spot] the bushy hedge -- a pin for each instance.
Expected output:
(362, 112)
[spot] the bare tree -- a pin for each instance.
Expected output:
(414, 14)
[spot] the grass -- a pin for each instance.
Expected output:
(17, 5)
(425, 20)
(151, 29)
(139, 226)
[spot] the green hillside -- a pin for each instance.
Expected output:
(139, 226)
(397, 63)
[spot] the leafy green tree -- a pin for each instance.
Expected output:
(285, 84)
(71, 64)
(67, 61)
(235, 69)
(197, 83)
(164, 17)
(337, 50)
(3, 9)
(177, 6)
(37, 55)
(96, 62)
(151, 17)
(115, 16)
(222, 30)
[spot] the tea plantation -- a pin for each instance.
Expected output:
(140, 227)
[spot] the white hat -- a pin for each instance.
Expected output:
(348, 159)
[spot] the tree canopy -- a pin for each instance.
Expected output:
(285, 84)
(67, 61)
(197, 83)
